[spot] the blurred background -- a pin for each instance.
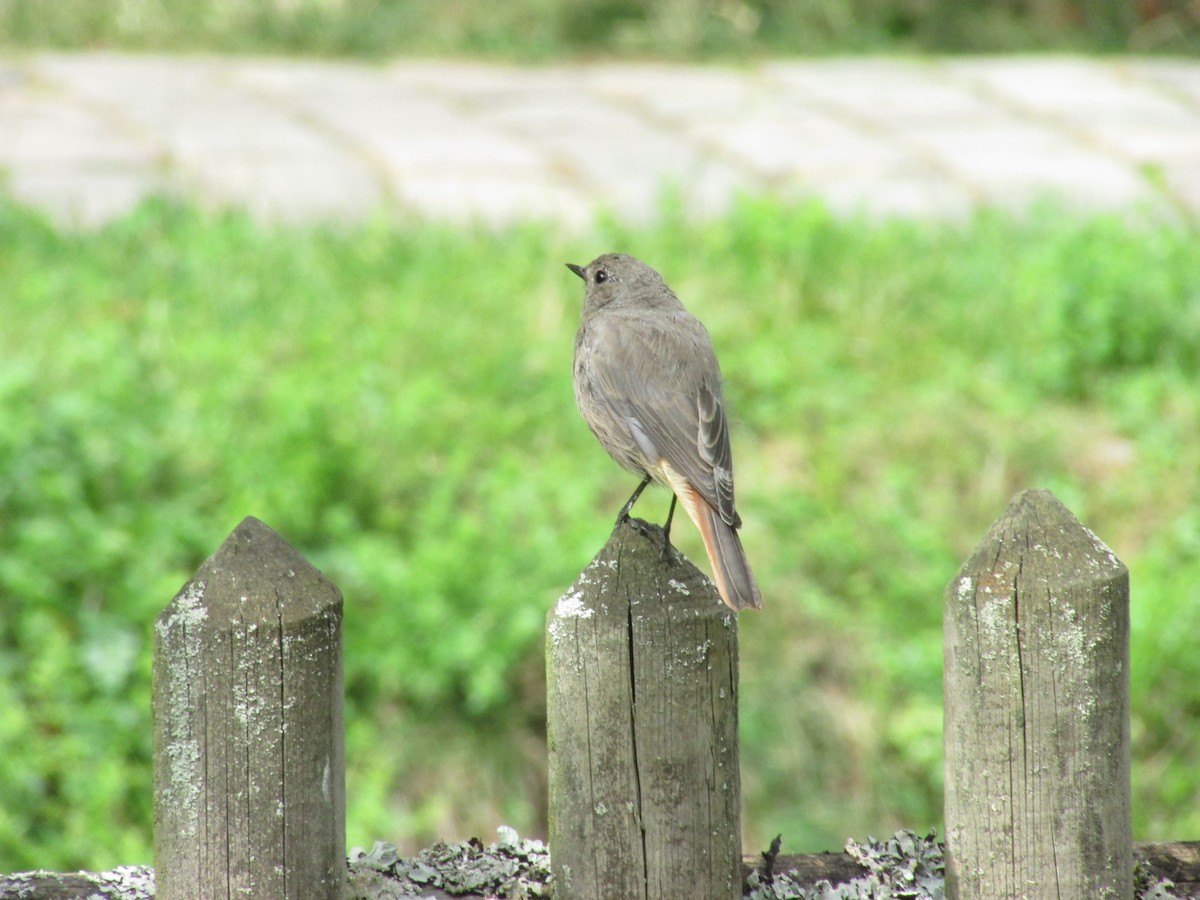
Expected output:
(393, 396)
(542, 30)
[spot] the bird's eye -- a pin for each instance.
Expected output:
(601, 277)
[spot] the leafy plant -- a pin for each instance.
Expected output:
(394, 398)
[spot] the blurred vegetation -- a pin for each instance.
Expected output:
(557, 29)
(394, 398)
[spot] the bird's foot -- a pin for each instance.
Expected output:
(666, 532)
(665, 553)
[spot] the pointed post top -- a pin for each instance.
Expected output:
(255, 576)
(249, 759)
(632, 564)
(1036, 678)
(1036, 532)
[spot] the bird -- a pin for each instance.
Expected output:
(648, 385)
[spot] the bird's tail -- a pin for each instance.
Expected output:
(731, 569)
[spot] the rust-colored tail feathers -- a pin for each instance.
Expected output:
(731, 569)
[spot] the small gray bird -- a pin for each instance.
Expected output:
(648, 386)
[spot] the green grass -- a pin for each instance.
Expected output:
(560, 29)
(395, 400)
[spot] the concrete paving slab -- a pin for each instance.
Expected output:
(799, 142)
(1015, 168)
(400, 124)
(1182, 182)
(995, 131)
(793, 142)
(680, 92)
(84, 198)
(493, 200)
(230, 145)
(618, 160)
(746, 120)
(1178, 79)
(876, 90)
(907, 193)
(419, 132)
(1103, 105)
(68, 161)
(89, 134)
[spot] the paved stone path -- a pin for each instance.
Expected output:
(85, 136)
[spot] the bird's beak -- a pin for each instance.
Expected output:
(578, 270)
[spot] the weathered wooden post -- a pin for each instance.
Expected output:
(645, 795)
(249, 771)
(1036, 631)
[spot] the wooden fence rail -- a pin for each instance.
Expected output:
(641, 655)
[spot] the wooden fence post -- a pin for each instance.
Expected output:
(249, 771)
(1036, 631)
(645, 794)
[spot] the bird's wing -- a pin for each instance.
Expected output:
(661, 378)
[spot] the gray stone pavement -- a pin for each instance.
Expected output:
(85, 136)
